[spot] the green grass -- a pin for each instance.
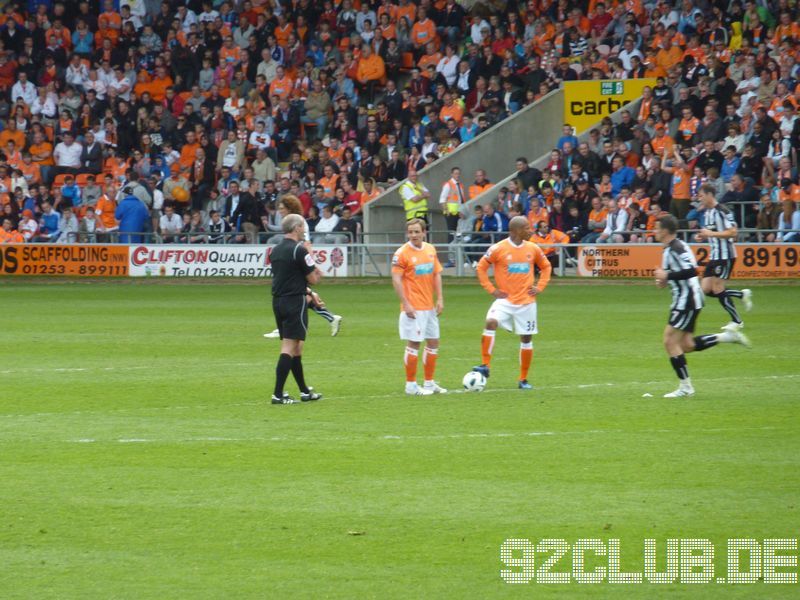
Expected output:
(139, 457)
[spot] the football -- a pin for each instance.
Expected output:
(474, 382)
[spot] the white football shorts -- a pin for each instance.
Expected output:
(424, 327)
(517, 318)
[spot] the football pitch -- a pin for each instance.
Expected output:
(140, 457)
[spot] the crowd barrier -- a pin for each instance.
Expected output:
(755, 260)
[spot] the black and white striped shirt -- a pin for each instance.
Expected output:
(681, 266)
(720, 218)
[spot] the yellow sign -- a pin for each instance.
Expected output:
(588, 102)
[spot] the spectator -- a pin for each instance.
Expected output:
(217, 228)
(132, 215)
(170, 225)
(67, 155)
(789, 223)
(616, 224)
(325, 226)
(494, 223)
(596, 222)
(767, 220)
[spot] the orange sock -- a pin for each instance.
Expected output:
(429, 362)
(410, 360)
(525, 358)
(487, 345)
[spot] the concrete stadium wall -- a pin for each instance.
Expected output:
(530, 133)
(541, 160)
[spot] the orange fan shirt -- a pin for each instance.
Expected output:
(553, 237)
(423, 32)
(513, 270)
(105, 209)
(419, 267)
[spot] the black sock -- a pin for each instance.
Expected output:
(324, 313)
(735, 293)
(281, 373)
(679, 364)
(727, 304)
(297, 371)
(702, 342)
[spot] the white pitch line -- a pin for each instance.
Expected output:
(403, 438)
(579, 386)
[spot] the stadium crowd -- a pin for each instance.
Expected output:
(193, 119)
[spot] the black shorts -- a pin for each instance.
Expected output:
(684, 319)
(291, 316)
(720, 268)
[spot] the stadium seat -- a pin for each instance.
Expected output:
(82, 179)
(58, 181)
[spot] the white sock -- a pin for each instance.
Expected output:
(686, 383)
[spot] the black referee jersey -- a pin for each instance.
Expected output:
(291, 262)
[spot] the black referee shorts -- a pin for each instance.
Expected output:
(291, 316)
(684, 319)
(719, 268)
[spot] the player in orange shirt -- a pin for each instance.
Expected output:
(514, 307)
(416, 277)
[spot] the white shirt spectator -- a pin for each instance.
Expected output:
(137, 7)
(46, 108)
(188, 20)
(98, 86)
(106, 76)
(135, 21)
(68, 155)
(77, 76)
(208, 16)
(123, 87)
(475, 31)
(326, 225)
(448, 67)
(260, 140)
(617, 222)
(28, 228)
(27, 91)
(158, 199)
(68, 226)
(170, 225)
(625, 58)
(787, 125)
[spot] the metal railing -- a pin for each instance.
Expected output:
(203, 237)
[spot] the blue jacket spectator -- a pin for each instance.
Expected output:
(494, 222)
(50, 221)
(567, 137)
(621, 176)
(132, 215)
(729, 168)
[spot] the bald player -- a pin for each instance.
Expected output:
(515, 294)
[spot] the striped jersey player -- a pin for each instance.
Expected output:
(719, 229)
(678, 270)
(514, 308)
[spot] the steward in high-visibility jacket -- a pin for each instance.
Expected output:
(415, 198)
(452, 197)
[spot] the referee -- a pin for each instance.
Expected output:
(293, 269)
